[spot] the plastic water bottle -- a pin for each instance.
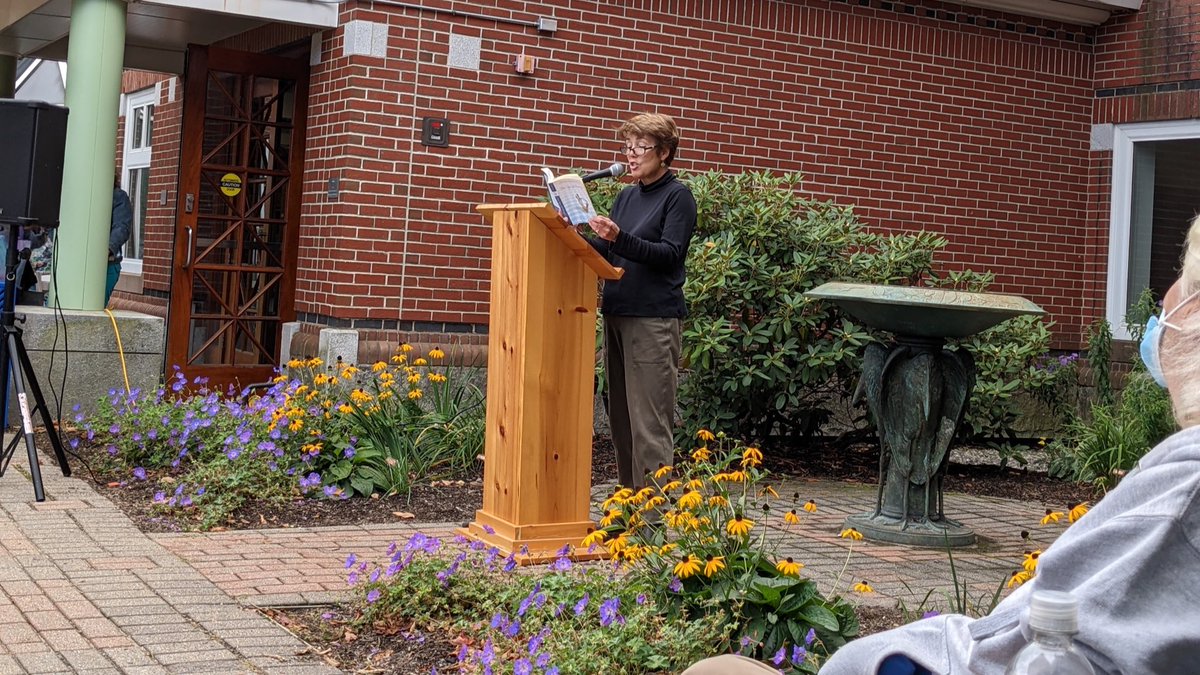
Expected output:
(1054, 619)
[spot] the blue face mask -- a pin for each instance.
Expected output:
(1151, 347)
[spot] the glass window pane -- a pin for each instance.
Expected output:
(1164, 201)
(139, 121)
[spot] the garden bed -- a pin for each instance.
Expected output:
(456, 500)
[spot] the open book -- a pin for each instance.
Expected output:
(569, 196)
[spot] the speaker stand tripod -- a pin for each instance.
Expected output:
(15, 362)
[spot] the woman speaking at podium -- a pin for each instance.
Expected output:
(647, 234)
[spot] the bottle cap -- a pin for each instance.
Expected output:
(1054, 611)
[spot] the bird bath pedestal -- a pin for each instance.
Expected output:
(917, 393)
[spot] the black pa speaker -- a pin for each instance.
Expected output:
(34, 136)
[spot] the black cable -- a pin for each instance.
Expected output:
(58, 398)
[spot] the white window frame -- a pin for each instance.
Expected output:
(135, 158)
(1121, 205)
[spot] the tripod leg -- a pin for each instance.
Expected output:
(18, 347)
(35, 471)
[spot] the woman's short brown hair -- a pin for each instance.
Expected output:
(657, 126)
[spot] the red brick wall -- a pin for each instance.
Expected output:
(926, 116)
(1147, 70)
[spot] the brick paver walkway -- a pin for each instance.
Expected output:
(83, 590)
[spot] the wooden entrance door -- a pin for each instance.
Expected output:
(236, 233)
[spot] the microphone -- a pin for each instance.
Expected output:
(613, 171)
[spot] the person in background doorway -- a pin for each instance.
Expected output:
(647, 234)
(118, 234)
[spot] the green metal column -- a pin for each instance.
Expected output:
(8, 76)
(95, 55)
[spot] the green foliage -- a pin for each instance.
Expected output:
(765, 360)
(1102, 447)
(344, 430)
(397, 423)
(571, 618)
(700, 538)
(1013, 370)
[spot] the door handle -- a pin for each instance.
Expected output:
(188, 261)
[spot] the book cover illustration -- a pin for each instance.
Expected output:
(569, 196)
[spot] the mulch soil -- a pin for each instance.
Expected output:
(403, 648)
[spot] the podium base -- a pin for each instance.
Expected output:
(533, 544)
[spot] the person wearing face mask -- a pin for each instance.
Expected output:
(647, 234)
(1131, 561)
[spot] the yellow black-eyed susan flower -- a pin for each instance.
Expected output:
(420, 362)
(345, 409)
(713, 564)
(1051, 517)
(1031, 560)
(863, 586)
(851, 533)
(672, 486)
(667, 548)
(621, 496)
(437, 377)
(705, 435)
(739, 526)
(1076, 512)
(436, 353)
(615, 546)
(654, 502)
(663, 470)
(701, 454)
(751, 457)
(379, 367)
(736, 476)
(677, 519)
(687, 566)
(810, 506)
(696, 483)
(405, 347)
(610, 516)
(415, 394)
(788, 567)
(1019, 577)
(791, 517)
(718, 500)
(690, 500)
(595, 537)
(768, 491)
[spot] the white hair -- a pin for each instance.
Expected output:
(1181, 351)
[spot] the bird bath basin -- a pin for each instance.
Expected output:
(917, 393)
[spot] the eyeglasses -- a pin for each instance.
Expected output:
(637, 150)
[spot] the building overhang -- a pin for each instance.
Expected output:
(1079, 12)
(157, 32)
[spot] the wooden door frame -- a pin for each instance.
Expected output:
(200, 61)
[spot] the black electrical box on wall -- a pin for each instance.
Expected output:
(435, 131)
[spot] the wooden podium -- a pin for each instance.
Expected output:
(537, 472)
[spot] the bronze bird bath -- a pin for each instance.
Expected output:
(917, 393)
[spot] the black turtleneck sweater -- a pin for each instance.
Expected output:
(656, 223)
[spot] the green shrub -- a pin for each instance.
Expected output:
(764, 360)
(1120, 427)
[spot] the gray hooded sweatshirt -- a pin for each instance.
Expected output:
(1134, 564)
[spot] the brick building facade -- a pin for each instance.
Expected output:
(996, 130)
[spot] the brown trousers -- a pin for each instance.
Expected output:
(642, 365)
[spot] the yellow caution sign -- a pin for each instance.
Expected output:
(231, 185)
